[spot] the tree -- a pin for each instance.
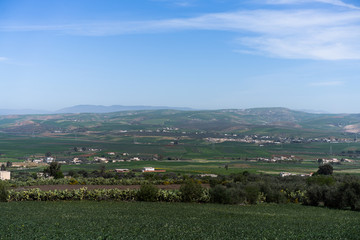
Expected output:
(191, 191)
(102, 170)
(8, 164)
(325, 169)
(48, 154)
(3, 168)
(54, 170)
(3, 192)
(147, 193)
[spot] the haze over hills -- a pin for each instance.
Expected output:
(265, 121)
(88, 109)
(113, 108)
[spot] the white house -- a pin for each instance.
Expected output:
(38, 161)
(148, 169)
(49, 159)
(4, 175)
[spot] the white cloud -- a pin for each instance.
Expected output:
(327, 84)
(180, 3)
(3, 59)
(332, 2)
(297, 34)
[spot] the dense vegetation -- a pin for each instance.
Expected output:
(322, 189)
(146, 220)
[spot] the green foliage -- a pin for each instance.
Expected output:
(3, 191)
(142, 220)
(252, 193)
(321, 180)
(54, 170)
(232, 195)
(147, 192)
(191, 191)
(325, 169)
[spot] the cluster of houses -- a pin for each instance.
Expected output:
(42, 160)
(287, 174)
(145, 169)
(333, 160)
(261, 140)
(275, 159)
(241, 140)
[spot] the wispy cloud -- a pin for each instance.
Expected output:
(331, 34)
(332, 2)
(180, 3)
(327, 84)
(3, 59)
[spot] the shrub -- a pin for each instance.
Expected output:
(147, 193)
(325, 169)
(191, 191)
(3, 192)
(218, 194)
(315, 194)
(252, 193)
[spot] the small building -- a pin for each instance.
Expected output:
(286, 174)
(101, 159)
(76, 161)
(151, 169)
(5, 175)
(148, 169)
(38, 161)
(49, 159)
(120, 170)
(208, 175)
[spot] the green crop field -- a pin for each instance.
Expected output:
(141, 220)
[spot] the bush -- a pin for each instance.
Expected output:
(3, 192)
(325, 169)
(191, 191)
(147, 193)
(316, 194)
(252, 193)
(273, 194)
(218, 194)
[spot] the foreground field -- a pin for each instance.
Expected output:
(140, 220)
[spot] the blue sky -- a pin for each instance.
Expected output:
(206, 54)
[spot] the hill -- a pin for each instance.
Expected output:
(273, 121)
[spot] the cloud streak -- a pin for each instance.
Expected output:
(327, 84)
(2, 59)
(331, 2)
(294, 34)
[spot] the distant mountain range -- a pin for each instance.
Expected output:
(114, 108)
(89, 109)
(22, 111)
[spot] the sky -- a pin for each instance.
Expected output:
(203, 54)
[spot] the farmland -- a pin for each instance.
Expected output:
(184, 142)
(141, 220)
(247, 150)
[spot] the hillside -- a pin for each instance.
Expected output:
(249, 121)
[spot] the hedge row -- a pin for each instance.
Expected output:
(104, 194)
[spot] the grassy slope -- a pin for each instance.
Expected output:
(138, 220)
(262, 120)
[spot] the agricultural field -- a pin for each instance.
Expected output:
(179, 140)
(143, 220)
